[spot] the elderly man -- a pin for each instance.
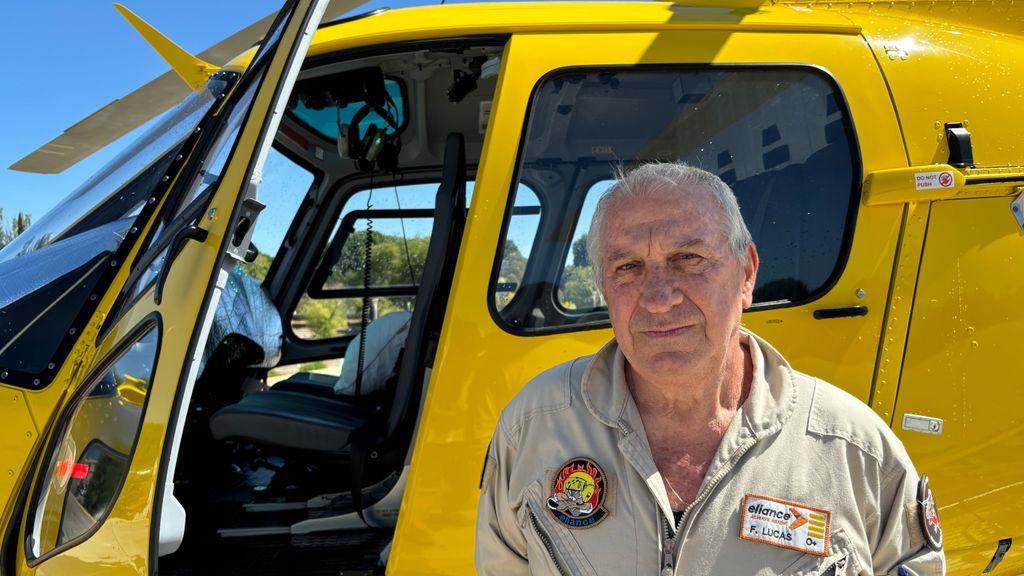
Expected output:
(688, 445)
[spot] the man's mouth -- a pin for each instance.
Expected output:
(667, 331)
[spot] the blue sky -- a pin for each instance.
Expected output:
(65, 59)
(68, 58)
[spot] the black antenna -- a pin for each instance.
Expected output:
(405, 239)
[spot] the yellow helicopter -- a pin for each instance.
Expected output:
(276, 332)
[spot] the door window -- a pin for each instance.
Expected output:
(397, 221)
(285, 184)
(779, 136)
(522, 233)
(89, 461)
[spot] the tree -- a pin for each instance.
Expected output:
(18, 224)
(577, 289)
(580, 257)
(513, 266)
(326, 318)
(259, 267)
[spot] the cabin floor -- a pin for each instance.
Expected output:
(240, 526)
(335, 554)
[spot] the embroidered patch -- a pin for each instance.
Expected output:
(928, 512)
(487, 474)
(578, 493)
(785, 524)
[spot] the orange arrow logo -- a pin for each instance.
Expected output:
(799, 521)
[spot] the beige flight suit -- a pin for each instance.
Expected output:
(795, 439)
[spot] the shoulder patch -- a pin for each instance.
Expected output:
(487, 474)
(928, 513)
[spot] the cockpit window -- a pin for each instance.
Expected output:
(326, 108)
(60, 259)
(121, 187)
(780, 137)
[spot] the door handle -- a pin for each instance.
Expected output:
(840, 312)
(190, 232)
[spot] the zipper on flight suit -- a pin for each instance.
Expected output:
(544, 538)
(669, 545)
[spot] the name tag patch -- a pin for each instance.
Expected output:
(785, 524)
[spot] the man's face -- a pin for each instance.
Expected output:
(674, 288)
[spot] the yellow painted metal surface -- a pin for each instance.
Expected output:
(121, 545)
(897, 314)
(587, 17)
(940, 343)
(913, 184)
(962, 365)
(479, 366)
(20, 435)
(193, 71)
(943, 66)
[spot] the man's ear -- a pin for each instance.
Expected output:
(749, 275)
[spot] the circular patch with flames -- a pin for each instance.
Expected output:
(578, 492)
(929, 514)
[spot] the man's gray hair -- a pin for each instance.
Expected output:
(648, 179)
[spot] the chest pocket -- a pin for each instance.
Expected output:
(551, 547)
(841, 560)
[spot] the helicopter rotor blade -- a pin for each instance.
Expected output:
(147, 102)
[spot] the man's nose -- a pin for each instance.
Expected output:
(660, 291)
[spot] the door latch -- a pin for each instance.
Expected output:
(926, 424)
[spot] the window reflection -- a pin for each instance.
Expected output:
(91, 460)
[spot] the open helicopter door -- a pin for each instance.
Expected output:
(97, 499)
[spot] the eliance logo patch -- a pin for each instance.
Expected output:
(785, 524)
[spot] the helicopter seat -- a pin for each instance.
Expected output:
(314, 414)
(291, 420)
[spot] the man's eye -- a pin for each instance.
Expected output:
(627, 266)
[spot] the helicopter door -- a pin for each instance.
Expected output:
(95, 501)
(572, 108)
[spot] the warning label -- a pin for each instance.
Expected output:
(785, 524)
(933, 180)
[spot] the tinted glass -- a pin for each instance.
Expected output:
(328, 117)
(780, 137)
(522, 233)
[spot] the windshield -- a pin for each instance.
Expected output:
(118, 190)
(50, 271)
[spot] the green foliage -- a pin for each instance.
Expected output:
(579, 252)
(513, 265)
(259, 267)
(577, 290)
(312, 366)
(326, 318)
(18, 224)
(390, 264)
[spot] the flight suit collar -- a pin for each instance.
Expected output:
(771, 401)
(772, 392)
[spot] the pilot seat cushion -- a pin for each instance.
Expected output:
(290, 420)
(385, 338)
